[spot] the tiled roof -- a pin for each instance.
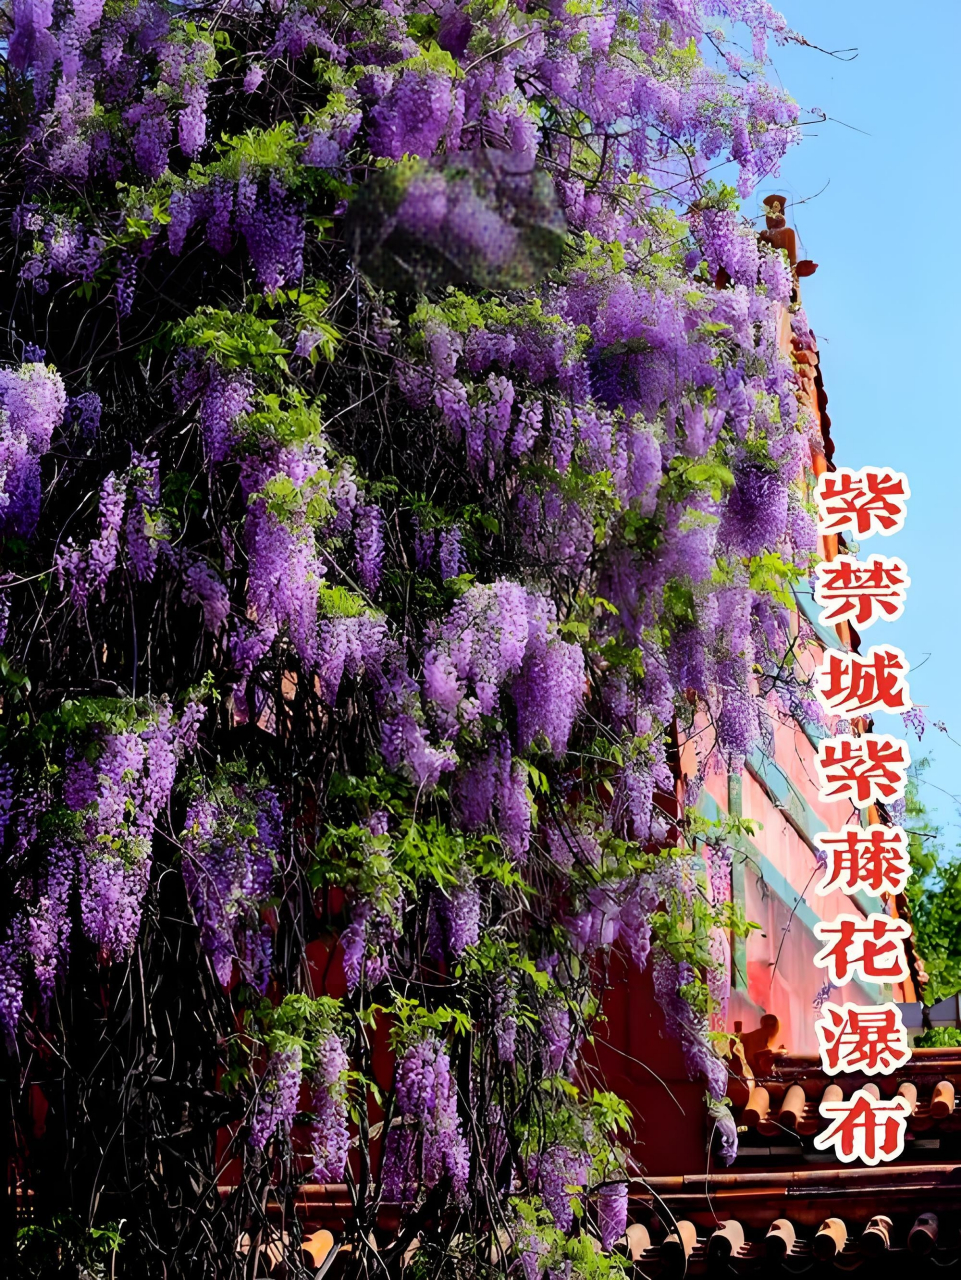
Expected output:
(731, 1224)
(881, 1247)
(787, 1090)
(893, 1220)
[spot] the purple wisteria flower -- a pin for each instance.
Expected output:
(277, 1096)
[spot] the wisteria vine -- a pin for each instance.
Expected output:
(399, 457)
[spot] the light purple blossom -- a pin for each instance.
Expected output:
(329, 1134)
(369, 545)
(427, 1097)
(11, 986)
(48, 926)
(552, 1172)
(32, 405)
(229, 874)
(278, 1094)
(612, 1213)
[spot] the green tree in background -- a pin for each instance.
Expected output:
(934, 895)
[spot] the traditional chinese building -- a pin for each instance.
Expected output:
(784, 1205)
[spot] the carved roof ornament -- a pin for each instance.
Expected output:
(780, 236)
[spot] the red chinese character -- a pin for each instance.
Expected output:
(866, 1038)
(864, 1127)
(850, 684)
(863, 770)
(848, 590)
(871, 858)
(872, 500)
(872, 949)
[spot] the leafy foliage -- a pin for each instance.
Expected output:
(934, 895)
(388, 477)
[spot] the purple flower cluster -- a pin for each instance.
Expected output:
(58, 247)
(48, 925)
(549, 689)
(11, 986)
(445, 1151)
(273, 230)
(272, 227)
(329, 1134)
(427, 1100)
(369, 545)
(724, 1130)
(479, 644)
(32, 405)
(361, 647)
(399, 1173)
(615, 911)
(556, 1039)
(458, 916)
(6, 797)
(443, 546)
(331, 130)
(554, 1171)
(916, 721)
(117, 790)
(368, 941)
(84, 413)
(211, 203)
(86, 570)
(491, 634)
(505, 1017)
(142, 527)
(285, 563)
(415, 1085)
(756, 513)
(230, 845)
(118, 800)
(612, 1213)
(414, 115)
(184, 71)
(278, 1095)
(493, 789)
(226, 397)
(685, 1024)
(203, 585)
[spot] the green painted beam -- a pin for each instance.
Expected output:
(785, 797)
(738, 888)
(811, 610)
(774, 880)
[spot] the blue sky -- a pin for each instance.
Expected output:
(884, 305)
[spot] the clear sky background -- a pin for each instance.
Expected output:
(876, 205)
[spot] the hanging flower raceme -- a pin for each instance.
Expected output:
(118, 796)
(554, 1173)
(277, 1096)
(456, 918)
(549, 689)
(368, 939)
(116, 782)
(231, 843)
(427, 1104)
(286, 568)
(493, 789)
(330, 1135)
(131, 531)
(494, 633)
(32, 404)
(612, 1213)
